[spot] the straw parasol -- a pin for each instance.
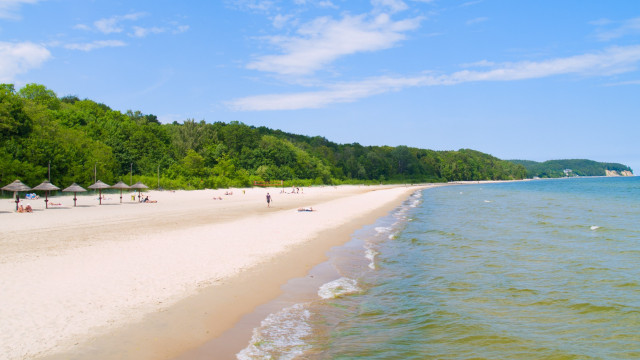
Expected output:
(46, 186)
(120, 185)
(74, 188)
(139, 186)
(99, 185)
(16, 187)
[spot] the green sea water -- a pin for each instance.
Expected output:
(545, 269)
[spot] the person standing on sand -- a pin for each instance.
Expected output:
(268, 200)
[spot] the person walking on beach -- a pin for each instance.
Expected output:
(268, 200)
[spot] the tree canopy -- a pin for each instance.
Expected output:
(77, 137)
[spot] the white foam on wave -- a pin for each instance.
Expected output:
(370, 254)
(280, 335)
(339, 287)
(594, 227)
(382, 229)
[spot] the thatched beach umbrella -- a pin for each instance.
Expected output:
(16, 187)
(139, 186)
(99, 185)
(74, 188)
(46, 186)
(120, 185)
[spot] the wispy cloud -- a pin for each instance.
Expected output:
(324, 40)
(280, 20)
(141, 32)
(98, 44)
(113, 24)
(337, 93)
(254, 5)
(622, 83)
(470, 3)
(618, 30)
(611, 61)
(18, 58)
(180, 29)
(477, 20)
(389, 5)
(9, 8)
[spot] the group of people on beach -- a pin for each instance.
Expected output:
(24, 209)
(294, 190)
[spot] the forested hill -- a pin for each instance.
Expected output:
(76, 137)
(578, 167)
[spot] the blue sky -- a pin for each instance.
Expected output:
(534, 80)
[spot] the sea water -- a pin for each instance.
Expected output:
(544, 269)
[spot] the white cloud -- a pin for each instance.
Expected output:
(621, 83)
(477, 20)
(391, 5)
(468, 3)
(324, 40)
(112, 24)
(82, 27)
(19, 58)
(338, 93)
(180, 29)
(327, 4)
(8, 8)
(481, 63)
(254, 5)
(95, 45)
(624, 28)
(611, 61)
(279, 21)
(141, 32)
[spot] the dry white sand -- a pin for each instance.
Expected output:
(70, 273)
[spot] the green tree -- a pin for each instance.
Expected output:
(41, 95)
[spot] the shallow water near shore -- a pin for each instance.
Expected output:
(520, 270)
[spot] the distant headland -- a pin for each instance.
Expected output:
(572, 168)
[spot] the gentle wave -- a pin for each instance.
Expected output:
(339, 287)
(280, 335)
(383, 229)
(370, 254)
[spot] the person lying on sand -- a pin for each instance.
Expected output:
(20, 208)
(306, 209)
(28, 208)
(146, 200)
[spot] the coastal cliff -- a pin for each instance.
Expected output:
(619, 173)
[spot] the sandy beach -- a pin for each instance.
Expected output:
(154, 280)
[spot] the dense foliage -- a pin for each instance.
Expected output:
(81, 139)
(578, 167)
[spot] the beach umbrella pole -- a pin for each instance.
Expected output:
(46, 199)
(15, 195)
(74, 199)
